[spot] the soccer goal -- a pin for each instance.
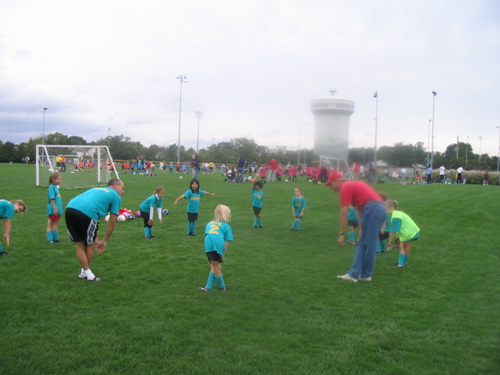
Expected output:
(81, 165)
(338, 163)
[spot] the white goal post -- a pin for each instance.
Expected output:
(80, 165)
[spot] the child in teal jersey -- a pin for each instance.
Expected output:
(298, 207)
(147, 210)
(383, 235)
(7, 211)
(257, 197)
(194, 195)
(218, 233)
(408, 232)
(353, 223)
(54, 208)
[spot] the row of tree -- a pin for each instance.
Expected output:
(123, 148)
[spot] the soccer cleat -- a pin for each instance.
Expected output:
(203, 289)
(351, 242)
(399, 265)
(95, 278)
(347, 277)
(4, 253)
(369, 278)
(83, 277)
(151, 236)
(50, 241)
(381, 253)
(224, 289)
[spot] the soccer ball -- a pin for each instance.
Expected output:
(286, 180)
(106, 218)
(121, 218)
(165, 211)
(130, 216)
(180, 176)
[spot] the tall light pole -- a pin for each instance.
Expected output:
(305, 143)
(43, 126)
(182, 79)
(434, 93)
(198, 114)
(375, 95)
(466, 151)
(480, 141)
(498, 152)
(109, 130)
(429, 143)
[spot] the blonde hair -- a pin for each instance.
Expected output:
(20, 203)
(159, 189)
(391, 204)
(53, 177)
(222, 213)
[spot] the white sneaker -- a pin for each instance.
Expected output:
(369, 278)
(347, 277)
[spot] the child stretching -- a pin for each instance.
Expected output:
(257, 197)
(7, 211)
(408, 231)
(147, 210)
(218, 233)
(54, 208)
(298, 207)
(194, 195)
(352, 221)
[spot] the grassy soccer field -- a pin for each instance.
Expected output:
(284, 312)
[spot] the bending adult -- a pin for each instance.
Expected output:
(82, 219)
(371, 211)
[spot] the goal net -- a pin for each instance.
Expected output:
(81, 166)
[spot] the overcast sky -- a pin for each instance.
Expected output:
(252, 67)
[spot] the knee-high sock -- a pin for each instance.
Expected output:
(294, 224)
(146, 232)
(351, 237)
(298, 225)
(193, 227)
(1, 248)
(210, 281)
(55, 235)
(49, 236)
(255, 221)
(220, 282)
(401, 259)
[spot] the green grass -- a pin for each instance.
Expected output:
(284, 312)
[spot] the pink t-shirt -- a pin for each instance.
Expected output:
(357, 193)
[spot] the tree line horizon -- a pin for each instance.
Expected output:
(123, 148)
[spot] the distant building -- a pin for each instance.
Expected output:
(331, 120)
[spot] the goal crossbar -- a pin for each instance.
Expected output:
(81, 165)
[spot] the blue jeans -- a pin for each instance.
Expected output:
(239, 175)
(372, 218)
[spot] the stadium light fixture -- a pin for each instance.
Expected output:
(182, 79)
(198, 114)
(434, 93)
(43, 125)
(375, 95)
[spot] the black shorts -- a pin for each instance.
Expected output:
(383, 236)
(256, 210)
(214, 256)
(145, 216)
(81, 228)
(192, 216)
(353, 223)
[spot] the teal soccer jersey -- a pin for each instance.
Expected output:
(216, 235)
(97, 202)
(54, 194)
(153, 201)
(6, 209)
(298, 204)
(194, 200)
(257, 198)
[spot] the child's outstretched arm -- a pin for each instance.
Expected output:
(208, 193)
(178, 199)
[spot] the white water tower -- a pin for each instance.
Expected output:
(331, 125)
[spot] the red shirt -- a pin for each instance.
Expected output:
(273, 165)
(357, 193)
